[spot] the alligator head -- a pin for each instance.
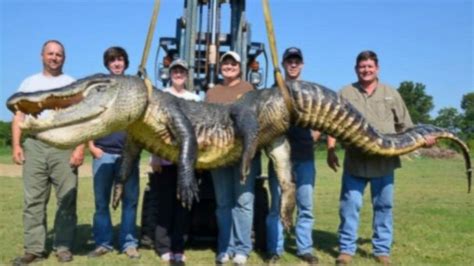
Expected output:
(84, 110)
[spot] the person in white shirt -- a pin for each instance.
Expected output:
(172, 218)
(45, 166)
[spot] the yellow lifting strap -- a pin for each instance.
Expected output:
(149, 88)
(271, 41)
(149, 38)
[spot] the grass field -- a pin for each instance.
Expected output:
(434, 220)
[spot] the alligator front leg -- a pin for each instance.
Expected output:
(246, 123)
(279, 153)
(183, 131)
(130, 157)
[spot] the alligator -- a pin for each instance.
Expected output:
(203, 135)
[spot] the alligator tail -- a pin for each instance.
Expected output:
(319, 108)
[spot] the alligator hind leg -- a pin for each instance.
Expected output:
(246, 123)
(279, 153)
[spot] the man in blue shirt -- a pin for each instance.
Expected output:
(107, 153)
(303, 167)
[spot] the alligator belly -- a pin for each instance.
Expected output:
(212, 157)
(212, 152)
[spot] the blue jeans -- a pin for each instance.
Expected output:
(352, 192)
(305, 173)
(234, 208)
(106, 173)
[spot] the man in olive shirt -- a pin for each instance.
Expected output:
(383, 108)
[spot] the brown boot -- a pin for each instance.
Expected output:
(309, 258)
(343, 259)
(27, 258)
(384, 260)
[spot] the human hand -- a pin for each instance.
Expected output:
(77, 156)
(17, 155)
(96, 152)
(430, 141)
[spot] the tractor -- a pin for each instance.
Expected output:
(200, 41)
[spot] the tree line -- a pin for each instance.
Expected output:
(5, 134)
(418, 103)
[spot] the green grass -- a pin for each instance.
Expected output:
(434, 219)
(5, 154)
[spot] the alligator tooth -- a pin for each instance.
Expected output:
(40, 105)
(16, 107)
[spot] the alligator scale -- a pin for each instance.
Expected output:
(205, 136)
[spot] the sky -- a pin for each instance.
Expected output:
(424, 41)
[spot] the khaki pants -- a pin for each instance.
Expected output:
(45, 166)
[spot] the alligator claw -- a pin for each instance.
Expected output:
(244, 170)
(117, 195)
(186, 193)
(243, 178)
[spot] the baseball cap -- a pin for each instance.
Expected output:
(232, 54)
(292, 52)
(179, 62)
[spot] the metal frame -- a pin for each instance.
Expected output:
(202, 50)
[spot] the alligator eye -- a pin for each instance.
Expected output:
(100, 88)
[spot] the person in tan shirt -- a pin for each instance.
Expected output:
(232, 87)
(383, 107)
(234, 200)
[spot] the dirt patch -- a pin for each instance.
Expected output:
(13, 170)
(437, 153)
